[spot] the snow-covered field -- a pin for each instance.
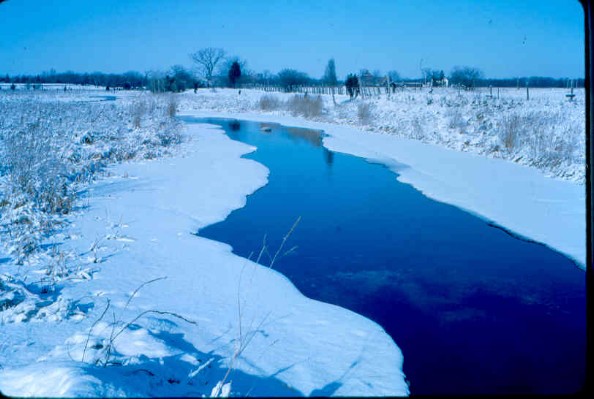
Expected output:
(547, 132)
(105, 291)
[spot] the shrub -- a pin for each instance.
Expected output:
(38, 168)
(138, 109)
(456, 119)
(364, 113)
(172, 106)
(269, 102)
(306, 106)
(509, 131)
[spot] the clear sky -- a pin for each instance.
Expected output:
(504, 38)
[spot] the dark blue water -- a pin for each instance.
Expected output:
(473, 309)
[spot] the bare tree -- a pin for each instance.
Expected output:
(207, 60)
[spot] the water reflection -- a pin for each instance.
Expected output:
(234, 126)
(309, 136)
(313, 137)
(328, 157)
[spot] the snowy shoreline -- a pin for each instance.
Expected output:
(529, 204)
(278, 341)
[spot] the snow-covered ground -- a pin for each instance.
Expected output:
(145, 308)
(117, 297)
(547, 132)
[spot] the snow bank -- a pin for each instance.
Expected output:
(547, 132)
(236, 314)
(518, 198)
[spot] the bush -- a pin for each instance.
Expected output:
(509, 132)
(138, 109)
(456, 119)
(364, 113)
(306, 106)
(269, 102)
(37, 168)
(172, 106)
(547, 139)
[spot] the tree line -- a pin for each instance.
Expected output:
(214, 68)
(130, 80)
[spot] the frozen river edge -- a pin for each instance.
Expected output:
(290, 345)
(517, 198)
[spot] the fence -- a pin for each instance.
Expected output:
(310, 89)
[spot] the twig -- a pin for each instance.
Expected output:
(284, 240)
(262, 249)
(93, 326)
(139, 288)
(161, 312)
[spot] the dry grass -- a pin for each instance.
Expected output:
(511, 128)
(306, 106)
(269, 102)
(172, 106)
(49, 148)
(365, 113)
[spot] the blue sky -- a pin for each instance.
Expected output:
(504, 38)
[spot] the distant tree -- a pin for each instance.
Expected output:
(435, 76)
(352, 85)
(265, 78)
(247, 75)
(182, 78)
(394, 76)
(330, 74)
(207, 60)
(365, 77)
(155, 81)
(289, 78)
(225, 64)
(133, 78)
(170, 83)
(377, 78)
(465, 76)
(426, 72)
(234, 73)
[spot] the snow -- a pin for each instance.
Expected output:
(520, 199)
(140, 306)
(547, 132)
(240, 314)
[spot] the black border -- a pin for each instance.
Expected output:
(589, 88)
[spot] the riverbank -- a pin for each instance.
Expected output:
(546, 133)
(204, 310)
(518, 198)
